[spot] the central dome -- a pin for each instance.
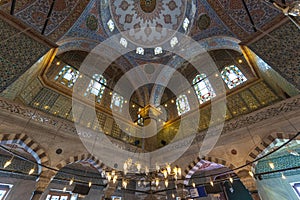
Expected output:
(147, 22)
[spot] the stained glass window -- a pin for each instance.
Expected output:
(182, 104)
(174, 41)
(203, 88)
(123, 42)
(186, 24)
(67, 76)
(96, 86)
(233, 76)
(140, 51)
(117, 102)
(158, 50)
(111, 25)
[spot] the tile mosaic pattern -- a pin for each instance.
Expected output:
(280, 49)
(82, 29)
(15, 61)
(260, 12)
(283, 162)
(216, 28)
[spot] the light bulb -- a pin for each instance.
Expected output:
(139, 167)
(272, 166)
(115, 179)
(90, 184)
(194, 185)
(175, 170)
(251, 174)
(212, 183)
(31, 171)
(179, 172)
(231, 180)
(71, 181)
(65, 189)
(124, 183)
(283, 176)
(8, 163)
(173, 196)
(166, 183)
(157, 182)
(108, 177)
(165, 173)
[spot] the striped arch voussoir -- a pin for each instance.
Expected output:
(82, 157)
(29, 144)
(268, 142)
(197, 163)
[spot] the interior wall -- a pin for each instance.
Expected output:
(280, 49)
(21, 188)
(278, 188)
(279, 84)
(95, 193)
(15, 58)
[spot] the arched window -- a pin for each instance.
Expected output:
(67, 76)
(96, 86)
(182, 104)
(233, 76)
(117, 102)
(203, 88)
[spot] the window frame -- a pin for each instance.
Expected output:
(228, 82)
(6, 188)
(196, 83)
(60, 76)
(102, 81)
(57, 193)
(115, 107)
(182, 96)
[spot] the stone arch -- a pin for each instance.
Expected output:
(29, 145)
(71, 44)
(267, 143)
(194, 166)
(82, 157)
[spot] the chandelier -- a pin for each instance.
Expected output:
(144, 177)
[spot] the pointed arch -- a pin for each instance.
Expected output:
(268, 143)
(29, 145)
(194, 166)
(82, 157)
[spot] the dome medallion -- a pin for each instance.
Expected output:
(147, 22)
(148, 6)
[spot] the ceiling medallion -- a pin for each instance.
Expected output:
(148, 21)
(203, 22)
(92, 23)
(148, 6)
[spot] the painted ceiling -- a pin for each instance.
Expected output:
(87, 20)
